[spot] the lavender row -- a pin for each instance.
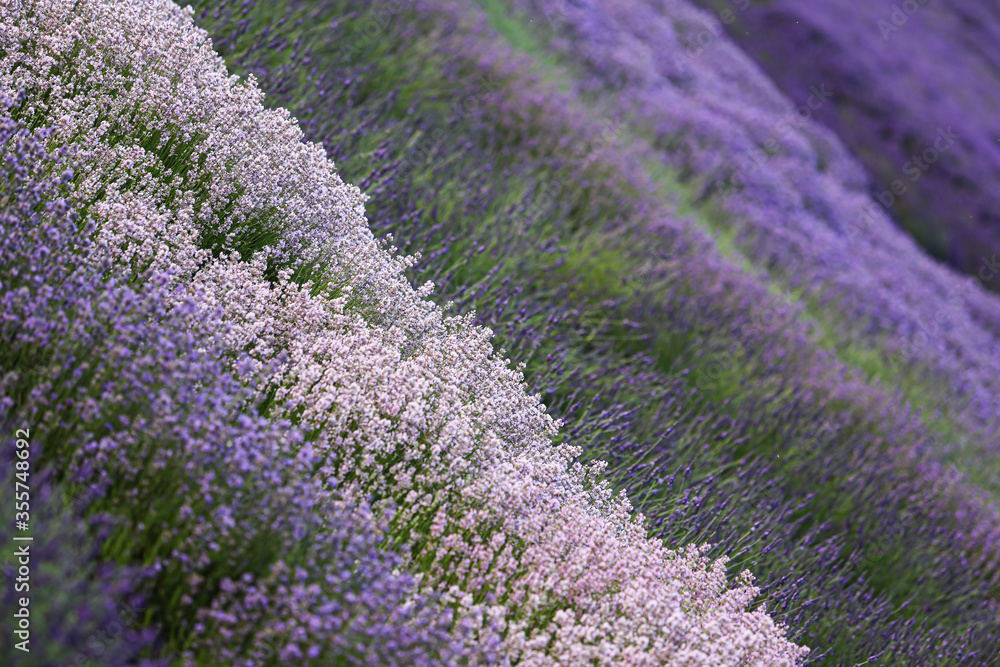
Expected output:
(414, 155)
(795, 199)
(131, 407)
(233, 293)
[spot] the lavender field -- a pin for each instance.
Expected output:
(490, 332)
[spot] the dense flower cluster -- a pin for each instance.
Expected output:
(849, 523)
(219, 268)
(144, 412)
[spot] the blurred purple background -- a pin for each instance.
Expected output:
(899, 72)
